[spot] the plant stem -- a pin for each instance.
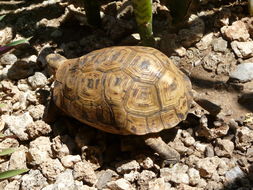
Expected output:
(143, 16)
(92, 9)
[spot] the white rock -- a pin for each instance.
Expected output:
(145, 162)
(242, 49)
(83, 171)
(219, 44)
(104, 177)
(200, 147)
(36, 111)
(8, 59)
(18, 159)
(9, 143)
(194, 176)
(51, 168)
(144, 177)
(132, 176)
(18, 124)
(37, 80)
(205, 41)
(176, 174)
(120, 184)
(34, 180)
(13, 185)
(6, 35)
(234, 173)
(40, 150)
(125, 167)
(68, 161)
(243, 72)
(64, 181)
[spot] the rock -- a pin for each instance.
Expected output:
(237, 31)
(144, 177)
(209, 152)
(8, 59)
(127, 166)
(157, 184)
(64, 181)
(13, 185)
(213, 185)
(120, 184)
(38, 128)
(243, 138)
(243, 72)
(188, 141)
(83, 171)
(51, 168)
(223, 167)
(68, 161)
(187, 187)
(34, 180)
(224, 147)
(23, 86)
(18, 159)
(145, 162)
(234, 173)
(177, 174)
(36, 111)
(132, 176)
(38, 80)
(219, 44)
(194, 176)
(205, 41)
(6, 35)
(208, 166)
(60, 148)
(104, 178)
(192, 35)
(200, 147)
(9, 143)
(40, 150)
(211, 133)
(242, 49)
(20, 70)
(18, 124)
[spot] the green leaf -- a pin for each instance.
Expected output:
(18, 42)
(12, 173)
(2, 105)
(7, 151)
(1, 17)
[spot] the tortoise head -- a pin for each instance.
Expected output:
(54, 61)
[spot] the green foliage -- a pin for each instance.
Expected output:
(7, 151)
(11, 173)
(8, 47)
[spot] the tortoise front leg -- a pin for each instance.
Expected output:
(143, 17)
(157, 144)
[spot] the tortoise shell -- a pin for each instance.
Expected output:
(123, 90)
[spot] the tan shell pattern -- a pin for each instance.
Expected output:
(123, 90)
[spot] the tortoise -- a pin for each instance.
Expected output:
(125, 90)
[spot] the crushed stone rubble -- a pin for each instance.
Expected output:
(215, 155)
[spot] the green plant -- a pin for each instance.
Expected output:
(9, 46)
(10, 173)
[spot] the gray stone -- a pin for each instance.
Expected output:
(219, 44)
(144, 178)
(205, 41)
(38, 128)
(157, 184)
(243, 49)
(36, 111)
(243, 138)
(243, 72)
(18, 159)
(13, 185)
(68, 161)
(6, 35)
(104, 178)
(234, 173)
(38, 80)
(8, 59)
(194, 176)
(33, 180)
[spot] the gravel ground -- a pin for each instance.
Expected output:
(215, 50)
